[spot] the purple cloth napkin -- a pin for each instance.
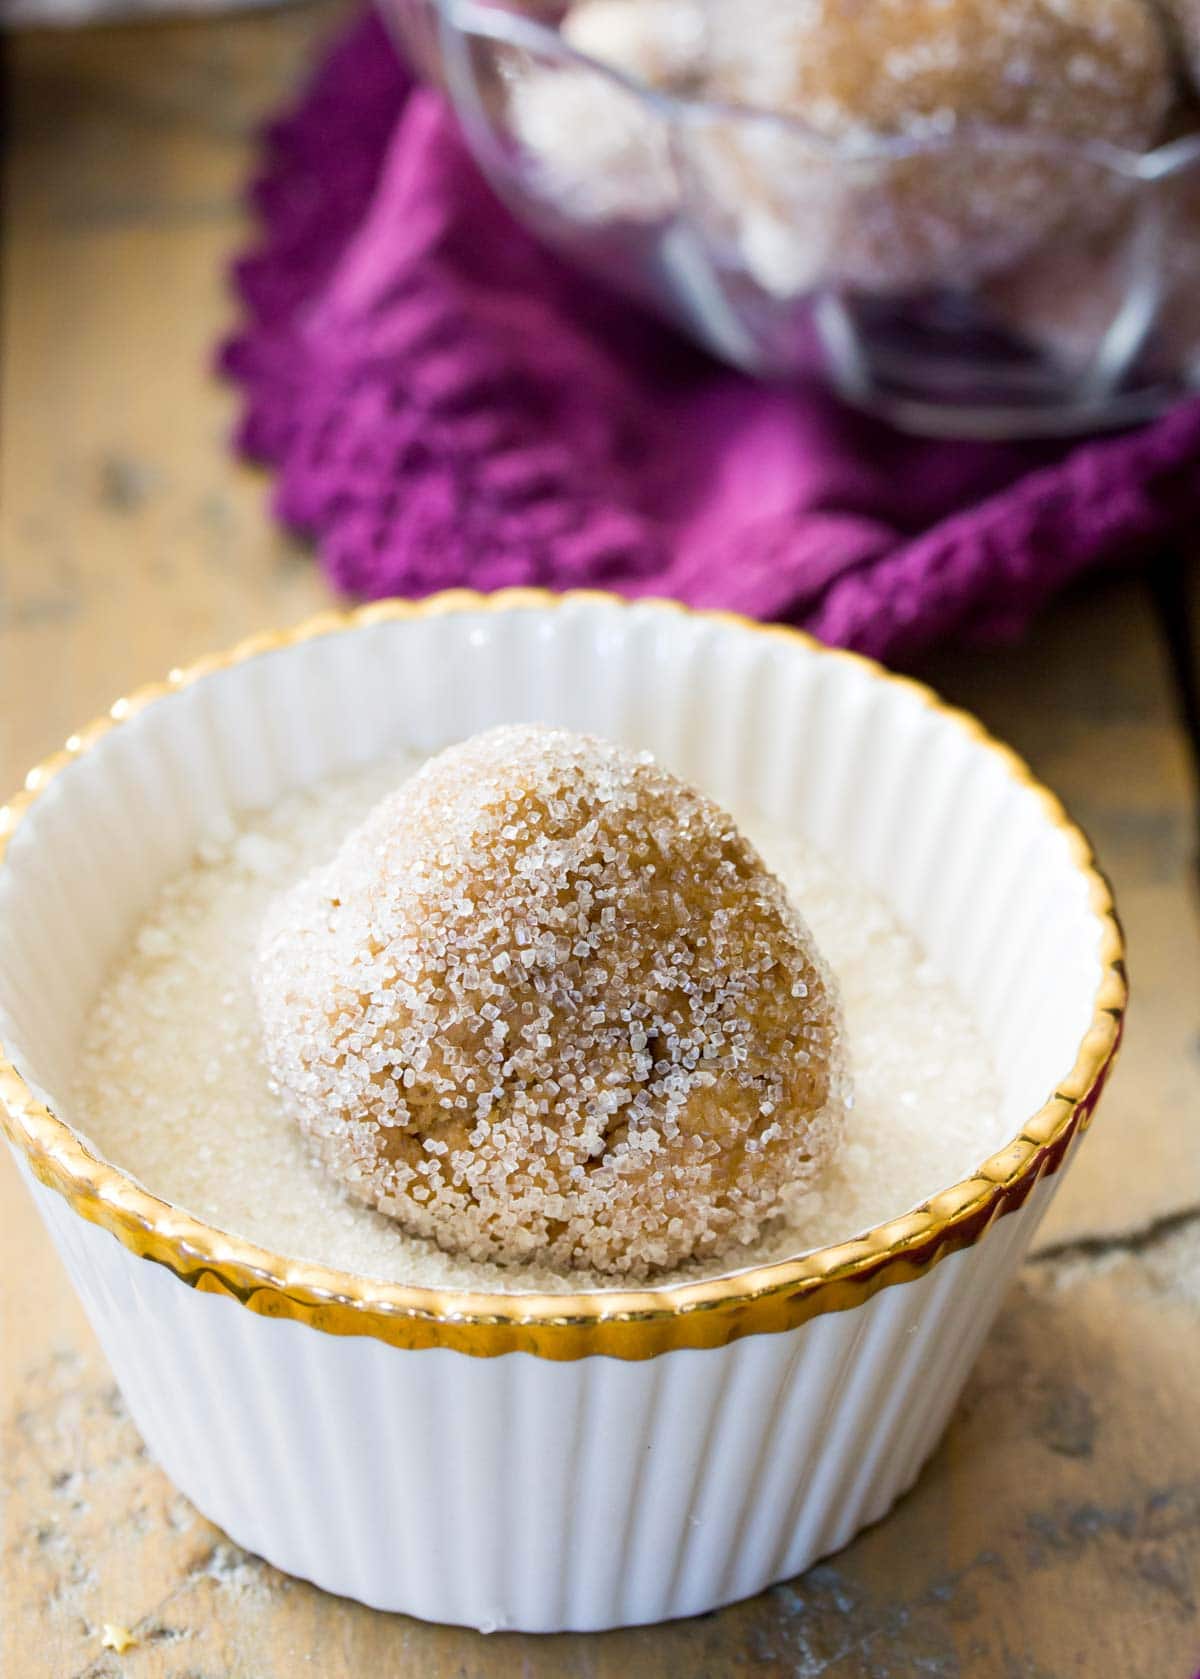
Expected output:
(447, 404)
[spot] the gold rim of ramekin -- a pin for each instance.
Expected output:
(616, 1323)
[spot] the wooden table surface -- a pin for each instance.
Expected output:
(1057, 1530)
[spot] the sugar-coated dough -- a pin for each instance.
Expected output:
(663, 42)
(171, 1084)
(1080, 68)
(547, 1003)
(811, 201)
(938, 73)
(596, 152)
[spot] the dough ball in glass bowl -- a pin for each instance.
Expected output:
(660, 42)
(992, 98)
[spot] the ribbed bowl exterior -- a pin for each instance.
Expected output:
(564, 1490)
(516, 1492)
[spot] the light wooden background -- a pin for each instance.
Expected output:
(1057, 1531)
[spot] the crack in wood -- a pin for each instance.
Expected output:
(1130, 1242)
(1170, 592)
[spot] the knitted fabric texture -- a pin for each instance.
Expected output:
(446, 404)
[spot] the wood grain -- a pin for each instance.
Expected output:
(1089, 700)
(1057, 1531)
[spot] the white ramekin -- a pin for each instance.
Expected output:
(585, 1461)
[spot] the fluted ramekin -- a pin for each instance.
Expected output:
(584, 1461)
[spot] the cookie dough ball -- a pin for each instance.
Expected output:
(1095, 69)
(547, 1003)
(661, 42)
(931, 72)
(597, 150)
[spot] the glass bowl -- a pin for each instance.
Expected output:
(990, 282)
